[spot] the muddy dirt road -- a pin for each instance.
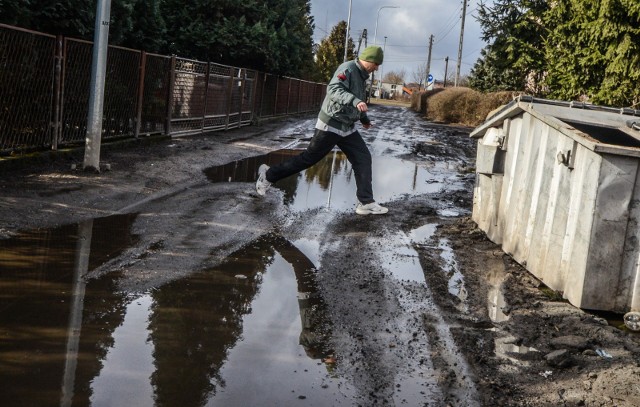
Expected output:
(167, 281)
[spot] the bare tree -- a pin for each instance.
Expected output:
(419, 74)
(450, 79)
(463, 81)
(395, 77)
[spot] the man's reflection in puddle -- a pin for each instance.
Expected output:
(197, 321)
(315, 326)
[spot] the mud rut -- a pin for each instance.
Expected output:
(393, 338)
(389, 334)
(388, 337)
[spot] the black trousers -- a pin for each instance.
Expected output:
(321, 144)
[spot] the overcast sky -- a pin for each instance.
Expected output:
(407, 29)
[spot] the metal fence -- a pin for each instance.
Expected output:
(44, 93)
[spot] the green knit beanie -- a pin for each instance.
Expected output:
(373, 54)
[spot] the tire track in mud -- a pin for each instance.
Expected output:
(389, 336)
(391, 339)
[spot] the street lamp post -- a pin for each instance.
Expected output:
(380, 80)
(375, 32)
(346, 37)
(375, 35)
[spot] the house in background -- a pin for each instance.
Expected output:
(387, 90)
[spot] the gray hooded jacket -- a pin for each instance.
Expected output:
(346, 89)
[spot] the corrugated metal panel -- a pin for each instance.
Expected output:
(563, 200)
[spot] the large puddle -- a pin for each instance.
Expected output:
(330, 183)
(249, 332)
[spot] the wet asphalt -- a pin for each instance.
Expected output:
(210, 295)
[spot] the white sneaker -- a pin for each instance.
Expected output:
(371, 209)
(262, 185)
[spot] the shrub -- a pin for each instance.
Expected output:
(419, 100)
(462, 106)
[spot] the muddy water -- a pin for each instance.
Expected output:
(330, 183)
(225, 336)
(251, 331)
(463, 387)
(55, 327)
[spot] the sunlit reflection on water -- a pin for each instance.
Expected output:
(331, 184)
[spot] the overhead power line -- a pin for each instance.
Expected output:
(450, 25)
(451, 22)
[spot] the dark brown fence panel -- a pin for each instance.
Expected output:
(294, 96)
(269, 95)
(154, 99)
(188, 96)
(304, 103)
(235, 99)
(257, 97)
(319, 93)
(282, 99)
(217, 96)
(120, 93)
(27, 62)
(248, 98)
(311, 95)
(76, 70)
(307, 99)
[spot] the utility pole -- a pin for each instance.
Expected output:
(362, 36)
(96, 91)
(428, 62)
(464, 13)
(446, 68)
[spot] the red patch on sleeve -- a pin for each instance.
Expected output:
(342, 76)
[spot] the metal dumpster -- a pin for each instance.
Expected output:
(558, 187)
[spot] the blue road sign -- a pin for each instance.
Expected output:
(430, 78)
